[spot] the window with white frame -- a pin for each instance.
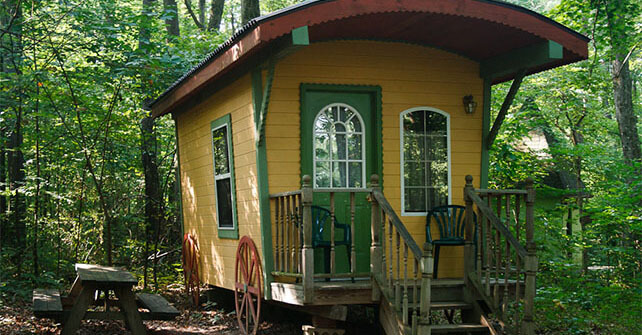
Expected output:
(339, 150)
(223, 176)
(425, 160)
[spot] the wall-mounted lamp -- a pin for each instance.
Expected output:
(469, 104)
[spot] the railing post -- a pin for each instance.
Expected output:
(376, 270)
(530, 266)
(307, 253)
(469, 255)
(424, 298)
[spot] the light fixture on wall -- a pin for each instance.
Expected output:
(469, 104)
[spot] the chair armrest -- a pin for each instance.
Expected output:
(346, 231)
(428, 235)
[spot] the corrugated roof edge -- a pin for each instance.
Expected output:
(231, 41)
(254, 23)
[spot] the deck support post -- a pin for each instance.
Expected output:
(530, 266)
(375, 247)
(427, 263)
(307, 252)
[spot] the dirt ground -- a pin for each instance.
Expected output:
(212, 318)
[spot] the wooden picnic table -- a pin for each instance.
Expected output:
(91, 280)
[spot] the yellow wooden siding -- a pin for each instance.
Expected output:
(197, 178)
(409, 76)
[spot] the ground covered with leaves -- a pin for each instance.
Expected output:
(215, 317)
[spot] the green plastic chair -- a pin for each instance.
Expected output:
(451, 221)
(322, 219)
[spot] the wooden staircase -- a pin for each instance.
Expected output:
(495, 296)
(448, 299)
(498, 287)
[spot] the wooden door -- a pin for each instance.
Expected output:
(339, 150)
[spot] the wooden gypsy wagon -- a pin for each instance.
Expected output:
(317, 142)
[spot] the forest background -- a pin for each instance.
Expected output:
(87, 176)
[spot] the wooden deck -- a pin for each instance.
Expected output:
(336, 292)
(345, 292)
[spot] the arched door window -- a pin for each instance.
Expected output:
(339, 155)
(425, 160)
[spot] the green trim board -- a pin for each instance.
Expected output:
(527, 57)
(262, 181)
(300, 36)
(362, 101)
(376, 161)
(226, 121)
(265, 100)
(483, 182)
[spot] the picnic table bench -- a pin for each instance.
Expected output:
(70, 310)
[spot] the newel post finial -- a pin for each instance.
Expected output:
(374, 180)
(469, 186)
(307, 180)
(469, 180)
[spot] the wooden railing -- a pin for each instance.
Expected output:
(502, 265)
(287, 231)
(401, 269)
(292, 226)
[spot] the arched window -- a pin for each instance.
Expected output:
(425, 160)
(339, 155)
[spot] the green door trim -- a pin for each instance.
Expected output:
(366, 100)
(375, 92)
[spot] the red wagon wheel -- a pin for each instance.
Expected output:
(190, 267)
(247, 286)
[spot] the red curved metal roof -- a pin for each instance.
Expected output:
(477, 29)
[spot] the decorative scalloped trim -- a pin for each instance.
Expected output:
(266, 101)
(257, 22)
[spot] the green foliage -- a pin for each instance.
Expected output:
(571, 110)
(85, 70)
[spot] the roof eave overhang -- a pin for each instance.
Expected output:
(264, 31)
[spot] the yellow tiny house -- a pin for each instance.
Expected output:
(231, 108)
(317, 142)
(427, 78)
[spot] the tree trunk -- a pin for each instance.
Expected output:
(624, 113)
(199, 24)
(216, 14)
(622, 40)
(153, 199)
(201, 11)
(37, 204)
(16, 182)
(12, 64)
(249, 10)
(171, 17)
(3, 181)
(81, 203)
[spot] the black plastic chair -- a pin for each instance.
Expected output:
(321, 216)
(451, 221)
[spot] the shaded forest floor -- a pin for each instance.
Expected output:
(16, 318)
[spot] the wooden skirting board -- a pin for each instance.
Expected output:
(325, 293)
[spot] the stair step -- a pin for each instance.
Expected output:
(450, 305)
(458, 328)
(447, 282)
